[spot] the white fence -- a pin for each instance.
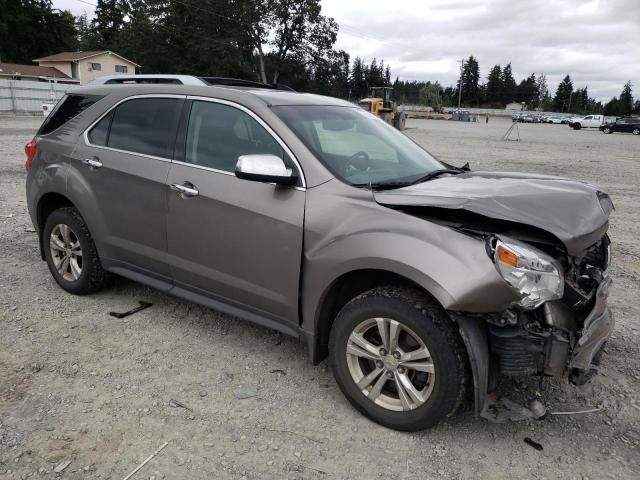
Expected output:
(21, 96)
(472, 111)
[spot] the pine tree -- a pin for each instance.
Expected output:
(563, 95)
(494, 91)
(626, 98)
(509, 86)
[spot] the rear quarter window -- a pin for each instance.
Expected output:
(70, 106)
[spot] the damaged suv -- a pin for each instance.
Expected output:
(422, 282)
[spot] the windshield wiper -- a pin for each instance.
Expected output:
(425, 178)
(435, 174)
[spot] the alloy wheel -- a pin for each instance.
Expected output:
(66, 252)
(390, 364)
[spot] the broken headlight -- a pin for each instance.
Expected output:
(534, 275)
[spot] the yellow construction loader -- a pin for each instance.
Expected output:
(380, 102)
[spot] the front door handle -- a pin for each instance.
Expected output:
(92, 163)
(186, 189)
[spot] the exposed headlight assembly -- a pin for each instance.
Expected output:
(534, 275)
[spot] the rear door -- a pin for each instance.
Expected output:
(126, 157)
(234, 240)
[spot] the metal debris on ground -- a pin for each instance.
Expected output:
(146, 461)
(578, 412)
(247, 392)
(61, 466)
(533, 443)
(176, 404)
(142, 306)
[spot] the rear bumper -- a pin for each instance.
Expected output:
(597, 327)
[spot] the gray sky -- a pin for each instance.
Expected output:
(595, 41)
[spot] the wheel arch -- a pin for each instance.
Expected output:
(343, 289)
(48, 203)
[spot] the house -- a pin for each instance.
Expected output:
(87, 66)
(515, 106)
(16, 71)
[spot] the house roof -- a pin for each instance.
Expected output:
(32, 71)
(75, 56)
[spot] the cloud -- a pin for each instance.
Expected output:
(594, 41)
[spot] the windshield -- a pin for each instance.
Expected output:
(356, 146)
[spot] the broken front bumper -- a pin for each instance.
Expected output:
(597, 327)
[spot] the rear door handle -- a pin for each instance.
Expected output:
(92, 163)
(186, 189)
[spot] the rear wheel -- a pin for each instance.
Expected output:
(71, 255)
(398, 358)
(606, 130)
(636, 131)
(400, 121)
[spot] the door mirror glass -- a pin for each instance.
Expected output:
(265, 167)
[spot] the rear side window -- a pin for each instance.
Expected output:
(69, 107)
(143, 125)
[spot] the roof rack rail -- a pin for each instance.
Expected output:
(239, 82)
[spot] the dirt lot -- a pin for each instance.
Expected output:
(79, 386)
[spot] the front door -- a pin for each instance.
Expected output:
(234, 240)
(126, 160)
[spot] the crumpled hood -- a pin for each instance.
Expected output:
(575, 212)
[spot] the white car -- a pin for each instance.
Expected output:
(553, 120)
(590, 121)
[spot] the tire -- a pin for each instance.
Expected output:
(636, 131)
(606, 130)
(401, 121)
(385, 117)
(442, 389)
(577, 126)
(83, 272)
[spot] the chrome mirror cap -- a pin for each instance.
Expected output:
(265, 167)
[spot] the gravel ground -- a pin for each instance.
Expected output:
(79, 386)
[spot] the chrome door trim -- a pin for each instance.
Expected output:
(262, 123)
(224, 172)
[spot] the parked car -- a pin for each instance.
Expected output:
(590, 121)
(556, 120)
(421, 281)
(622, 124)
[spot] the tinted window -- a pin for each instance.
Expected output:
(100, 133)
(146, 125)
(218, 134)
(68, 107)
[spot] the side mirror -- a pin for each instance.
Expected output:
(264, 167)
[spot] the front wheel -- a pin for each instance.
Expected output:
(398, 358)
(636, 131)
(577, 126)
(606, 130)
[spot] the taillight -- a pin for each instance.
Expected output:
(30, 150)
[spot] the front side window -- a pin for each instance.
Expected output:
(142, 125)
(96, 66)
(356, 146)
(121, 69)
(218, 134)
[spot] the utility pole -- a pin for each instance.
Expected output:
(460, 83)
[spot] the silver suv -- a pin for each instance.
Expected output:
(421, 281)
